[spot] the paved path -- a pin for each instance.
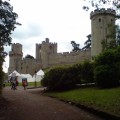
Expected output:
(30, 104)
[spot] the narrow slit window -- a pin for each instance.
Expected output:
(99, 19)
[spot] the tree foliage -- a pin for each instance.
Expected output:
(100, 3)
(107, 68)
(29, 56)
(64, 78)
(87, 43)
(7, 25)
(75, 46)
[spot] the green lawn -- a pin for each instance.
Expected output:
(29, 84)
(107, 100)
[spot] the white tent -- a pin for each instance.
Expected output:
(28, 76)
(20, 76)
(14, 73)
(40, 72)
(39, 75)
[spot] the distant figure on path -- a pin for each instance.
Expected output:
(13, 82)
(16, 82)
(24, 84)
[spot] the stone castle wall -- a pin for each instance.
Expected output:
(69, 58)
(48, 55)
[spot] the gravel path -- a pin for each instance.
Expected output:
(30, 104)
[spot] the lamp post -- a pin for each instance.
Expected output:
(35, 78)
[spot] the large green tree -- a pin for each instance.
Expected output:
(7, 25)
(100, 3)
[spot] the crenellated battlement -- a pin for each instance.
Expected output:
(50, 43)
(102, 11)
(13, 54)
(46, 43)
(72, 53)
(38, 44)
(16, 44)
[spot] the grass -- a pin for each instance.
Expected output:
(29, 84)
(107, 100)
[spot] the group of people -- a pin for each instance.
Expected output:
(14, 83)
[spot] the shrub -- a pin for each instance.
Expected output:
(87, 72)
(107, 68)
(52, 78)
(62, 78)
(106, 77)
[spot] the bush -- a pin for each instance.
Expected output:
(106, 77)
(64, 78)
(107, 68)
(61, 78)
(87, 72)
(52, 78)
(1, 80)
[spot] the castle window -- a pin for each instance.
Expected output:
(50, 47)
(99, 19)
(111, 20)
(21, 68)
(40, 47)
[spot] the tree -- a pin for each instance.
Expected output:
(99, 3)
(29, 56)
(114, 36)
(7, 25)
(87, 43)
(75, 46)
(118, 36)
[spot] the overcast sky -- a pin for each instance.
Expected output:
(59, 20)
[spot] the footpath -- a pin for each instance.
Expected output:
(31, 104)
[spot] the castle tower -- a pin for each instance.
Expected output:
(101, 20)
(15, 55)
(44, 50)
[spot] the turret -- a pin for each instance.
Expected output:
(15, 55)
(101, 20)
(44, 50)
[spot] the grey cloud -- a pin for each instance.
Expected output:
(27, 31)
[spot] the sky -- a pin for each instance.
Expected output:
(62, 21)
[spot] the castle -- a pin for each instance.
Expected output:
(46, 52)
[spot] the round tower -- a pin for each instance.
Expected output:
(101, 22)
(15, 56)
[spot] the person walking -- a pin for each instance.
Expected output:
(16, 84)
(24, 84)
(13, 83)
